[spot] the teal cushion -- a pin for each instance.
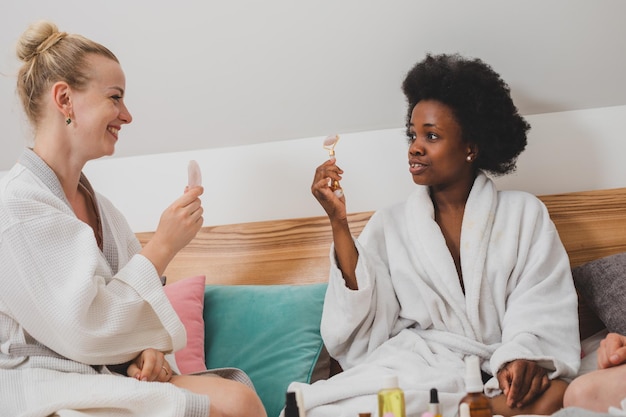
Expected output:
(272, 332)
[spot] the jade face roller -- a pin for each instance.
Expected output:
(329, 145)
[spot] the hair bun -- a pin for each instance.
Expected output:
(38, 38)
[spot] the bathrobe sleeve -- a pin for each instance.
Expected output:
(540, 320)
(58, 286)
(356, 322)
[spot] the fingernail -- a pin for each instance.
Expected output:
(615, 358)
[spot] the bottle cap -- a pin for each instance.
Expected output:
(473, 379)
(390, 381)
(434, 396)
(464, 410)
(291, 406)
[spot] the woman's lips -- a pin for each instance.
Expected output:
(416, 168)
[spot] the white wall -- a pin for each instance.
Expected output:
(568, 151)
(244, 71)
(257, 182)
(572, 151)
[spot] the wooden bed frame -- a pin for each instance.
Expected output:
(592, 224)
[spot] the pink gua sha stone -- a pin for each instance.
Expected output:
(193, 174)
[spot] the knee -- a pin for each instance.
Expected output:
(255, 406)
(575, 392)
(249, 404)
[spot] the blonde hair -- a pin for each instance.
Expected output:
(50, 56)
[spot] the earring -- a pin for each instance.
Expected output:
(469, 158)
(68, 120)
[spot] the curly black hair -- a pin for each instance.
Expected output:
(481, 102)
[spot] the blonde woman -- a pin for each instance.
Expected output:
(84, 323)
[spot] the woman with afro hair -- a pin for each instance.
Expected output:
(459, 269)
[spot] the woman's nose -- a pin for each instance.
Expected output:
(416, 148)
(125, 115)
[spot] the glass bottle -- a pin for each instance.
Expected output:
(391, 398)
(478, 403)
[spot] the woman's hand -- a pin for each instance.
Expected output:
(522, 381)
(325, 175)
(150, 365)
(345, 251)
(179, 223)
(612, 351)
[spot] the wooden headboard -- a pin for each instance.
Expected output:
(592, 224)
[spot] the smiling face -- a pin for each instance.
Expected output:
(438, 155)
(98, 111)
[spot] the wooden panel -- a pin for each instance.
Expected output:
(591, 224)
(292, 251)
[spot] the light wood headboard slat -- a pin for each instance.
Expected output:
(592, 224)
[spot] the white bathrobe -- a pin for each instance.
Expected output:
(409, 316)
(67, 308)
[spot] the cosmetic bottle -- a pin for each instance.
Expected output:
(476, 400)
(291, 405)
(433, 405)
(300, 402)
(391, 398)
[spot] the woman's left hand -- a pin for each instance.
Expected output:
(522, 381)
(150, 365)
(612, 351)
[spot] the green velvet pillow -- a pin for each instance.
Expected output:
(272, 332)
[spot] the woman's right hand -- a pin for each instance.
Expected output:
(345, 251)
(325, 175)
(178, 224)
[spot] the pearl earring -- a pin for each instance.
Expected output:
(469, 158)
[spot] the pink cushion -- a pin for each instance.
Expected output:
(187, 298)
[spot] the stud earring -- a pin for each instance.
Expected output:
(469, 158)
(68, 121)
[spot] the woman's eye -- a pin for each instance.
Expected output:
(411, 137)
(432, 136)
(116, 98)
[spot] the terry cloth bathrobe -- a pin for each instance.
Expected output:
(410, 317)
(68, 309)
